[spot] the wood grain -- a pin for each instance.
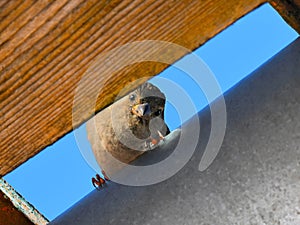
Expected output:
(47, 46)
(9, 215)
(289, 10)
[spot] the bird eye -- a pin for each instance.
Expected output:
(132, 97)
(158, 112)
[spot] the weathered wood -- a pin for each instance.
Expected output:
(289, 10)
(14, 209)
(9, 215)
(46, 47)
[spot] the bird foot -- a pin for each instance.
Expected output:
(105, 176)
(161, 137)
(152, 142)
(98, 182)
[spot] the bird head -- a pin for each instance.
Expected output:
(147, 102)
(140, 113)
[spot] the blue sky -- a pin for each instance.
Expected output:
(58, 177)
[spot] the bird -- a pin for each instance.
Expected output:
(126, 129)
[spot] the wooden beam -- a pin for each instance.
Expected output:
(9, 215)
(289, 10)
(46, 47)
(14, 209)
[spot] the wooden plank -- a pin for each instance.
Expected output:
(14, 209)
(9, 215)
(289, 10)
(46, 47)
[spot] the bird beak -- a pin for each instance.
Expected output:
(141, 110)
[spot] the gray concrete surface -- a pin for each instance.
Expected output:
(255, 178)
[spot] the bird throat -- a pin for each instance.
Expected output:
(140, 128)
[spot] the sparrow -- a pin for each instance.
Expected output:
(128, 128)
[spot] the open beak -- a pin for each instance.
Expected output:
(141, 110)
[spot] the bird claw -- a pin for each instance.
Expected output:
(161, 137)
(148, 145)
(152, 142)
(98, 182)
(105, 176)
